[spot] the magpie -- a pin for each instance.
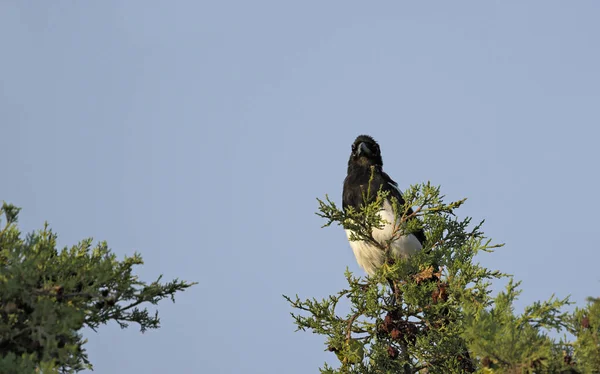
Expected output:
(364, 160)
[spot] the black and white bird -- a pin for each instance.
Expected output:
(365, 155)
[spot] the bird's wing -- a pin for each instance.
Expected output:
(392, 187)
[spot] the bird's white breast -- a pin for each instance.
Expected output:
(371, 257)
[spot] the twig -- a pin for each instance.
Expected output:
(350, 322)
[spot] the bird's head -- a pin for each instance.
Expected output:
(365, 152)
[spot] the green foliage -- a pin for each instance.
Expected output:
(584, 323)
(439, 315)
(48, 295)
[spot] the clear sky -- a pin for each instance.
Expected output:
(200, 133)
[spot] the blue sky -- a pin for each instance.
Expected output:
(200, 134)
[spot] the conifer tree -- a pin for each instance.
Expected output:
(434, 312)
(47, 296)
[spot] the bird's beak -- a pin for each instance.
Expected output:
(363, 149)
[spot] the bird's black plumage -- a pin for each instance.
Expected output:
(365, 156)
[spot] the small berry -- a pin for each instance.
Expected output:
(392, 352)
(568, 359)
(440, 293)
(585, 322)
(387, 324)
(411, 333)
(444, 292)
(486, 362)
